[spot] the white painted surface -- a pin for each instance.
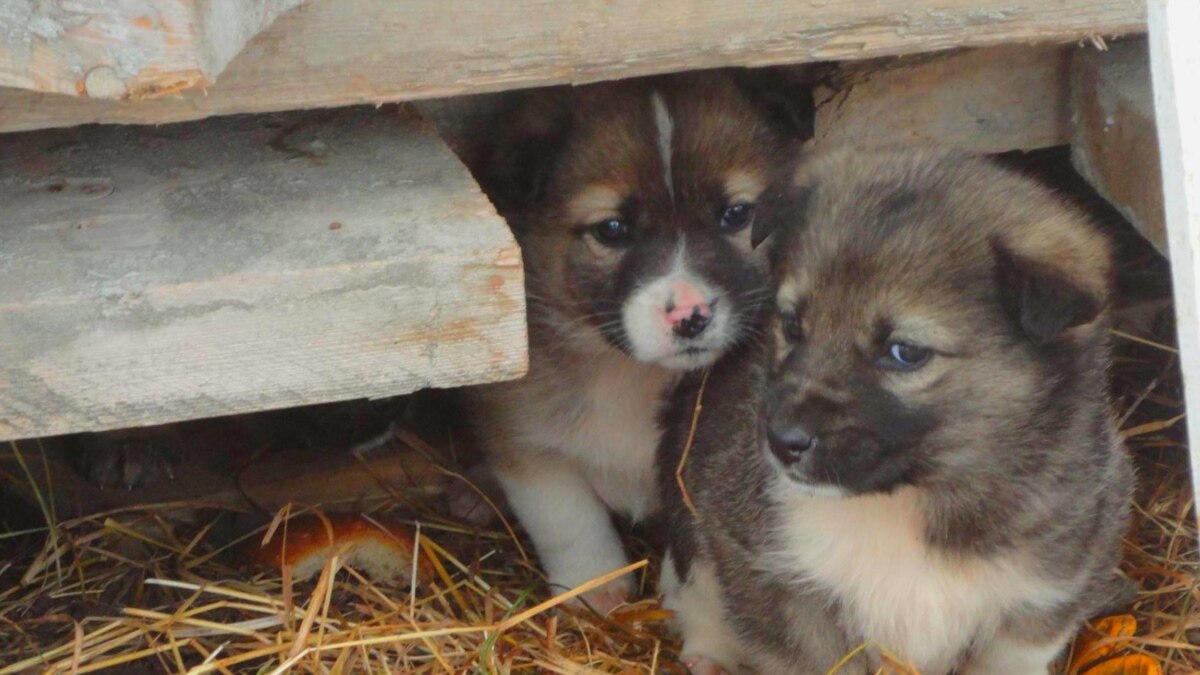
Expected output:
(1175, 70)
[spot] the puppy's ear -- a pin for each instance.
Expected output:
(534, 133)
(780, 208)
(783, 205)
(784, 96)
(1047, 294)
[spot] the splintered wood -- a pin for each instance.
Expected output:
(160, 274)
(115, 49)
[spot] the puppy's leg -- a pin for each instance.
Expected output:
(1008, 654)
(570, 527)
(709, 644)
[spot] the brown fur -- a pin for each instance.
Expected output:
(577, 435)
(602, 136)
(965, 513)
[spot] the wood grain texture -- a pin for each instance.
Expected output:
(248, 263)
(338, 52)
(1174, 67)
(115, 49)
(1114, 143)
(1012, 97)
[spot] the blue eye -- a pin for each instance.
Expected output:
(904, 356)
(737, 217)
(613, 233)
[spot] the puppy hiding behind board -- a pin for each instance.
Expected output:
(919, 455)
(632, 203)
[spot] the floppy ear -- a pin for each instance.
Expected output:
(783, 95)
(532, 136)
(1045, 298)
(783, 205)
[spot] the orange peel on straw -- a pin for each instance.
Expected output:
(384, 550)
(1130, 664)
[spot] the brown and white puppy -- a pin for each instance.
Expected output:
(919, 456)
(632, 203)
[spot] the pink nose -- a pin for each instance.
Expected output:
(688, 311)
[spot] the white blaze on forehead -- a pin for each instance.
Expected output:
(595, 203)
(666, 133)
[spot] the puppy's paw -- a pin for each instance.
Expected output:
(130, 459)
(702, 665)
(583, 570)
(609, 596)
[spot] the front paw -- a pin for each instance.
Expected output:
(603, 599)
(701, 665)
(609, 596)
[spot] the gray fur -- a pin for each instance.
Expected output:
(1016, 458)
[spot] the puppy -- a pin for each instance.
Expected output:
(632, 203)
(918, 457)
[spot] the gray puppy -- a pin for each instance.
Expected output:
(918, 459)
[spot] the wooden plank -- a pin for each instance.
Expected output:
(1174, 65)
(1012, 97)
(116, 49)
(1114, 144)
(337, 52)
(241, 264)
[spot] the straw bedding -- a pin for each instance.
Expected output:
(166, 587)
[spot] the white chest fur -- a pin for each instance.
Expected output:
(607, 421)
(916, 603)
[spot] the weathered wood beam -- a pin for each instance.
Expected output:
(115, 49)
(1114, 143)
(1012, 97)
(241, 264)
(338, 52)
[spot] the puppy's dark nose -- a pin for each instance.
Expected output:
(688, 311)
(789, 443)
(692, 325)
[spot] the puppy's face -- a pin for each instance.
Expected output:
(927, 310)
(637, 229)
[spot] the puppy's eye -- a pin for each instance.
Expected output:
(737, 217)
(904, 356)
(613, 232)
(790, 325)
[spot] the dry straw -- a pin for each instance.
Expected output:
(155, 589)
